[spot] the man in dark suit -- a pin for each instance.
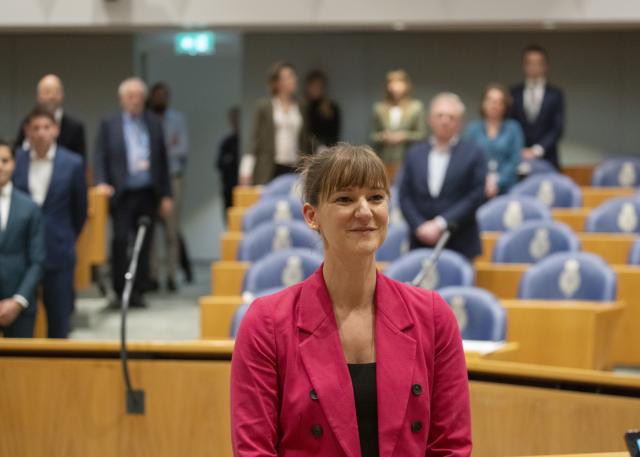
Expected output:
(54, 178)
(22, 253)
(131, 166)
(539, 108)
(50, 95)
(228, 161)
(443, 182)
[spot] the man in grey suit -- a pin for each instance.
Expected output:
(22, 253)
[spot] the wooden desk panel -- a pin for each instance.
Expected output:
(216, 315)
(581, 174)
(574, 217)
(229, 244)
(227, 277)
(245, 196)
(592, 197)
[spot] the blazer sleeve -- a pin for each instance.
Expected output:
(408, 195)
(466, 207)
(81, 142)
(254, 386)
(165, 180)
(418, 129)
(509, 172)
(553, 135)
(79, 198)
(100, 160)
(36, 256)
(377, 127)
(450, 430)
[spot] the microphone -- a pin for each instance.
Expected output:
(134, 398)
(435, 255)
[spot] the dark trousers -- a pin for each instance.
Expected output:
(59, 297)
(279, 170)
(124, 216)
(24, 324)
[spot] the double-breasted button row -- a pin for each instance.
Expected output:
(416, 426)
(416, 389)
(313, 395)
(316, 431)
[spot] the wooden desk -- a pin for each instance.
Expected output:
(614, 248)
(91, 244)
(581, 174)
(504, 281)
(592, 197)
(245, 196)
(229, 244)
(234, 218)
(605, 454)
(574, 217)
(227, 277)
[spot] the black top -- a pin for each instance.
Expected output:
(324, 122)
(363, 378)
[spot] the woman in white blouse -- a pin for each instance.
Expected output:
(279, 132)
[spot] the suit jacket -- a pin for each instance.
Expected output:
(288, 345)
(110, 164)
(263, 141)
(22, 251)
(412, 123)
(71, 136)
(64, 210)
(461, 194)
(546, 130)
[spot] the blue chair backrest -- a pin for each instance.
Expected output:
(281, 186)
(616, 215)
(552, 189)
(569, 276)
(395, 245)
(534, 240)
(508, 211)
(281, 269)
(242, 309)
(274, 236)
(634, 253)
(278, 208)
(535, 166)
(480, 316)
(617, 172)
(452, 269)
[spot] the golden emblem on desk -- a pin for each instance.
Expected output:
(545, 193)
(282, 238)
(627, 174)
(570, 278)
(282, 212)
(292, 273)
(512, 216)
(627, 218)
(540, 244)
(459, 308)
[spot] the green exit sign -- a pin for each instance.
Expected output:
(195, 43)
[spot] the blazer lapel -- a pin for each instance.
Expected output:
(323, 359)
(544, 105)
(21, 174)
(395, 362)
(55, 169)
(449, 175)
(13, 209)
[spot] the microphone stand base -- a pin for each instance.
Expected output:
(135, 402)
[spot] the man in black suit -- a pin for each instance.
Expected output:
(228, 161)
(50, 95)
(131, 167)
(443, 182)
(539, 108)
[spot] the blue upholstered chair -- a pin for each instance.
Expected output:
(634, 253)
(479, 314)
(452, 269)
(508, 211)
(535, 166)
(534, 240)
(617, 172)
(273, 236)
(620, 215)
(395, 245)
(281, 269)
(281, 186)
(569, 276)
(552, 189)
(278, 208)
(242, 309)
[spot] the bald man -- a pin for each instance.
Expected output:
(50, 95)
(131, 167)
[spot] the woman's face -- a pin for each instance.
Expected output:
(315, 89)
(493, 105)
(287, 82)
(397, 88)
(351, 221)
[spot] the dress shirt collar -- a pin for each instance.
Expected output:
(6, 190)
(452, 143)
(128, 117)
(540, 82)
(57, 114)
(51, 154)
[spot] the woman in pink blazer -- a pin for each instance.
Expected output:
(349, 362)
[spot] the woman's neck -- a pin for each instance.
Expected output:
(351, 282)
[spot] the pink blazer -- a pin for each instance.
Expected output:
(291, 392)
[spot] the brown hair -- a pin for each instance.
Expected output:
(396, 75)
(274, 74)
(341, 166)
(507, 99)
(39, 111)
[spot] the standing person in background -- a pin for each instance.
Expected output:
(54, 178)
(443, 182)
(177, 141)
(22, 252)
(279, 133)
(539, 108)
(398, 121)
(501, 139)
(50, 95)
(323, 114)
(228, 160)
(131, 167)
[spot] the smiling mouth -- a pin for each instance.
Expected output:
(363, 229)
